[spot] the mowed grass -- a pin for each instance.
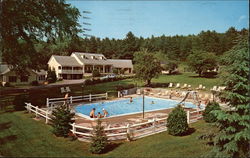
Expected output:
(20, 135)
(189, 78)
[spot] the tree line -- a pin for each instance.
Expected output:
(176, 47)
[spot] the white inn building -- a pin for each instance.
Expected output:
(79, 64)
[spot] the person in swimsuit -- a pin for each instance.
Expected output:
(105, 112)
(131, 100)
(92, 113)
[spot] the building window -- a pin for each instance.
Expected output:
(41, 78)
(12, 78)
(24, 78)
(59, 67)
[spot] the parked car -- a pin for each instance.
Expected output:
(108, 76)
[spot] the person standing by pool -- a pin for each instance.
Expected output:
(105, 112)
(92, 113)
(171, 93)
(131, 100)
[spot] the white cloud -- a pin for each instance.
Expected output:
(242, 17)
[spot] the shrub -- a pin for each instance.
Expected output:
(208, 115)
(99, 140)
(96, 73)
(177, 121)
(7, 84)
(19, 102)
(210, 74)
(88, 82)
(51, 77)
(34, 83)
(115, 71)
(61, 120)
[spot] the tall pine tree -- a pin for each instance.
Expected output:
(234, 125)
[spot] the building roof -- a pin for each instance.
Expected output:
(40, 72)
(4, 68)
(121, 63)
(92, 59)
(66, 60)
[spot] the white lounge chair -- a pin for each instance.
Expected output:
(68, 89)
(166, 93)
(178, 85)
(184, 86)
(203, 87)
(63, 90)
(200, 87)
(170, 85)
(189, 86)
(214, 88)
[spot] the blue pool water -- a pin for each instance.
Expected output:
(121, 107)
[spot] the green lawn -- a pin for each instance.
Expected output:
(189, 78)
(20, 135)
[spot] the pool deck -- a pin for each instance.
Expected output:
(131, 118)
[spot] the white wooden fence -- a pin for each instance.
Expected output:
(71, 99)
(39, 112)
(129, 132)
(134, 131)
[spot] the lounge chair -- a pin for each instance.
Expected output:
(203, 87)
(183, 94)
(178, 85)
(221, 88)
(138, 92)
(184, 86)
(200, 87)
(189, 86)
(63, 90)
(214, 88)
(170, 85)
(165, 93)
(68, 89)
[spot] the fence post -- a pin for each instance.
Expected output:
(188, 117)
(106, 95)
(154, 120)
(29, 107)
(73, 128)
(46, 118)
(89, 97)
(47, 102)
(118, 94)
(128, 132)
(36, 111)
(71, 100)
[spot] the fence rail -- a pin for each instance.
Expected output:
(129, 131)
(39, 112)
(71, 99)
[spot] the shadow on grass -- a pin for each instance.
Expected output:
(7, 139)
(203, 76)
(189, 132)
(5, 125)
(111, 147)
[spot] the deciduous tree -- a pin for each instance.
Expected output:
(146, 66)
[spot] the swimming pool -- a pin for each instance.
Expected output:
(124, 107)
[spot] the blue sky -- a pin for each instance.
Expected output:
(114, 19)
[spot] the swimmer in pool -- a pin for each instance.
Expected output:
(105, 112)
(131, 100)
(152, 102)
(92, 113)
(99, 115)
